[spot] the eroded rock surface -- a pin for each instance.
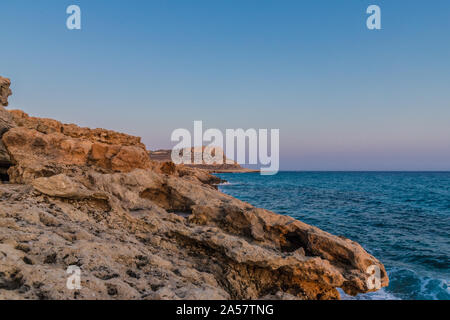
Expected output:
(43, 147)
(145, 230)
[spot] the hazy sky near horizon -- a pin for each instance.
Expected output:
(343, 97)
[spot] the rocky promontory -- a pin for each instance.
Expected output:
(225, 166)
(144, 229)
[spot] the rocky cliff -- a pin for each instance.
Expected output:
(140, 229)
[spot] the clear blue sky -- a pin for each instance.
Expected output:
(343, 97)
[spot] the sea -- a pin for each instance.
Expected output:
(401, 218)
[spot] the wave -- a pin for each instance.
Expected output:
(381, 294)
(406, 284)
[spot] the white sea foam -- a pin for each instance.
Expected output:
(381, 294)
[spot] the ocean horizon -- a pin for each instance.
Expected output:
(400, 217)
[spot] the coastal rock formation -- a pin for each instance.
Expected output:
(5, 91)
(140, 229)
(40, 147)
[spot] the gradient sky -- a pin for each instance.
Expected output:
(343, 97)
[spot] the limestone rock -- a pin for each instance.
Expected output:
(163, 237)
(34, 152)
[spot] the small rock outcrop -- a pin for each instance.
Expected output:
(141, 229)
(5, 91)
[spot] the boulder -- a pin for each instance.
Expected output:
(61, 186)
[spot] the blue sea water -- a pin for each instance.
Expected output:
(402, 218)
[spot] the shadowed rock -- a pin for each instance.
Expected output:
(6, 123)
